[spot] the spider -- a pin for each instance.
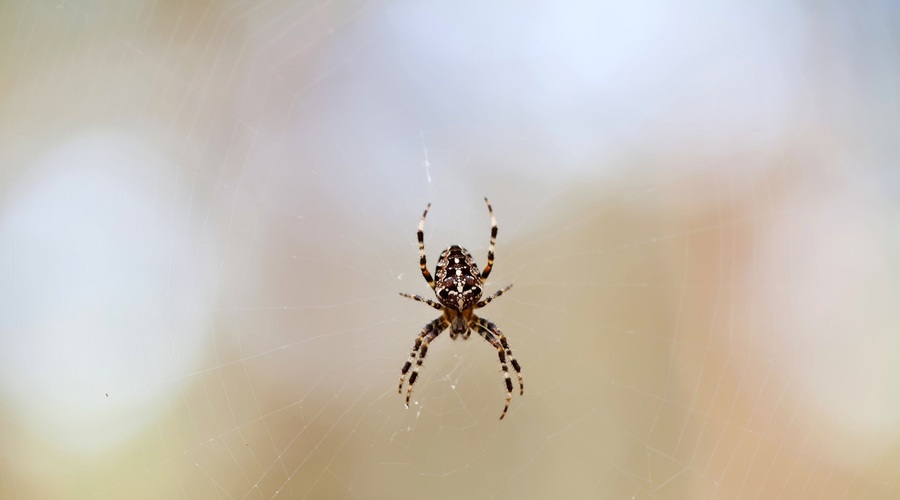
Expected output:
(458, 287)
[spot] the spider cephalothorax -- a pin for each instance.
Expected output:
(458, 286)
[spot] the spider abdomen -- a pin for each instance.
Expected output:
(458, 282)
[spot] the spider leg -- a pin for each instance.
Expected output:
(486, 301)
(491, 327)
(419, 298)
(490, 260)
(501, 353)
(429, 333)
(486, 326)
(421, 236)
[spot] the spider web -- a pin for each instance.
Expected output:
(207, 210)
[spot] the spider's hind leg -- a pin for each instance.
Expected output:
(420, 234)
(490, 262)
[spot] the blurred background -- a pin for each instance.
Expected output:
(207, 210)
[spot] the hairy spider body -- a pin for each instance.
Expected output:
(458, 286)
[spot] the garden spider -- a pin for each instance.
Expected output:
(458, 289)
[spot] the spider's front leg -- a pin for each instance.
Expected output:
(495, 337)
(420, 348)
